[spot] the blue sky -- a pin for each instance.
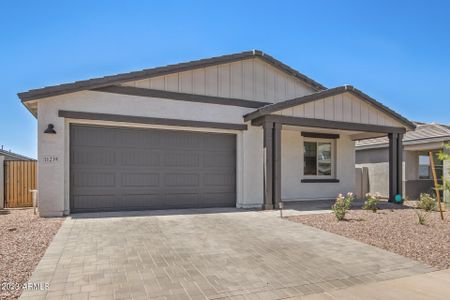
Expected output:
(396, 51)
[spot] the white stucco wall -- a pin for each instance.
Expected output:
(54, 176)
(252, 171)
(378, 177)
(379, 173)
(411, 161)
(293, 189)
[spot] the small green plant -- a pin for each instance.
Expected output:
(422, 216)
(371, 203)
(426, 202)
(342, 205)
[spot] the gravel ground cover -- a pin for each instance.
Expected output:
(24, 238)
(394, 228)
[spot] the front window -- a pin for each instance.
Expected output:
(425, 166)
(318, 158)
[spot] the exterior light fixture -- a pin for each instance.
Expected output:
(50, 129)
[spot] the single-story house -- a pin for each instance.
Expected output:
(241, 130)
(417, 174)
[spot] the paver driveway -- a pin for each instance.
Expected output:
(205, 254)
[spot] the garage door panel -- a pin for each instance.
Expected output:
(94, 179)
(217, 179)
(89, 202)
(218, 199)
(181, 200)
(182, 159)
(93, 157)
(152, 201)
(218, 159)
(143, 180)
(130, 168)
(93, 136)
(139, 138)
(85, 192)
(181, 180)
(216, 142)
(188, 141)
(142, 158)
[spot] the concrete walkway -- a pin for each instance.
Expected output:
(205, 254)
(435, 285)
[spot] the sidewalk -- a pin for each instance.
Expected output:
(434, 285)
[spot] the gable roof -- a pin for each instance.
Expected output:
(424, 133)
(268, 109)
(159, 71)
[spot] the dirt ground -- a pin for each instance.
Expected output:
(24, 238)
(394, 228)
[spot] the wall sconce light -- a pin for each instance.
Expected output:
(50, 129)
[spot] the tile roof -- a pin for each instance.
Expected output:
(423, 133)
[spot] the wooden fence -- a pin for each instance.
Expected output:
(20, 178)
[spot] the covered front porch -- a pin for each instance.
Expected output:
(309, 145)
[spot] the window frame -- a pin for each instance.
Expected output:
(318, 141)
(439, 165)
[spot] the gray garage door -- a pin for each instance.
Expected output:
(115, 168)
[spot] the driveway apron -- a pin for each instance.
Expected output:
(205, 254)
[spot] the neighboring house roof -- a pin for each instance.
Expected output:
(424, 133)
(324, 94)
(153, 72)
(14, 156)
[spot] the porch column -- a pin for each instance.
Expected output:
(395, 165)
(277, 164)
(268, 165)
(400, 164)
(392, 166)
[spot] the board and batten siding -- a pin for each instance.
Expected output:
(251, 79)
(344, 107)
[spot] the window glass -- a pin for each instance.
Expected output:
(438, 165)
(317, 158)
(424, 167)
(310, 158)
(324, 158)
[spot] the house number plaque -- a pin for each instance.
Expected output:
(49, 159)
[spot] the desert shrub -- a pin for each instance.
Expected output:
(371, 203)
(426, 202)
(422, 216)
(342, 205)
